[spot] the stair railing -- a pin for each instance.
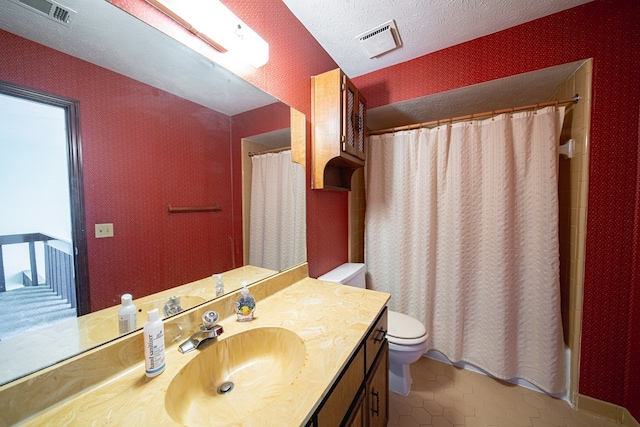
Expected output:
(58, 259)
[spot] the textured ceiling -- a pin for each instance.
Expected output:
(136, 50)
(425, 26)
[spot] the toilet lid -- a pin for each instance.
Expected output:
(404, 327)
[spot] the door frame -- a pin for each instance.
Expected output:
(76, 187)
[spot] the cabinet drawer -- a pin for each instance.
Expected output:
(375, 339)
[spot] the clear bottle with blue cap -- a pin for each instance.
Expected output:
(245, 305)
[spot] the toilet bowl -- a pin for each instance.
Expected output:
(407, 336)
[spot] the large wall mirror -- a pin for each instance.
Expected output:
(161, 128)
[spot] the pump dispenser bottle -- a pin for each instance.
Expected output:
(246, 305)
(153, 344)
(126, 315)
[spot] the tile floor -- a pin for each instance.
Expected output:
(443, 396)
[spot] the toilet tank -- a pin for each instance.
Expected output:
(351, 274)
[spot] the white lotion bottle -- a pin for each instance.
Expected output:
(127, 315)
(153, 344)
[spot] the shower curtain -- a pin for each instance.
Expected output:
(461, 227)
(278, 238)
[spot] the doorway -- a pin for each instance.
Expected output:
(43, 251)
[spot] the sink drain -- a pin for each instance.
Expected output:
(225, 387)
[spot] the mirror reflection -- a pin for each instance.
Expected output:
(157, 128)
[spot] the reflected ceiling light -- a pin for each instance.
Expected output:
(214, 23)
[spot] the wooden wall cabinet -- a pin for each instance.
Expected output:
(360, 398)
(338, 130)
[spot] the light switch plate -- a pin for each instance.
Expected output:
(104, 230)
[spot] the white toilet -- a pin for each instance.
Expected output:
(407, 336)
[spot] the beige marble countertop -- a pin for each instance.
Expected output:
(331, 319)
(37, 348)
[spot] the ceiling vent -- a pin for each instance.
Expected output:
(380, 40)
(49, 8)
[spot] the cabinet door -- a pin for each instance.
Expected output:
(361, 131)
(336, 406)
(357, 418)
(350, 119)
(378, 390)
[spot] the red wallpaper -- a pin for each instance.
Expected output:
(632, 367)
(605, 30)
(294, 57)
(608, 32)
(137, 156)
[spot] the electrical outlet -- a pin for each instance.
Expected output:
(104, 230)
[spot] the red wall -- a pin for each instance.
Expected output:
(294, 57)
(605, 30)
(138, 156)
(608, 32)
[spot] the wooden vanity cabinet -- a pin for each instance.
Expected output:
(359, 398)
(338, 140)
(377, 390)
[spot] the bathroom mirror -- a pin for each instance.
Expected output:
(139, 109)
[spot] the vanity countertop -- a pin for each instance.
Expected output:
(39, 347)
(331, 319)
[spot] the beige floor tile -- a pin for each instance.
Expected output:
(439, 421)
(445, 396)
(421, 415)
(433, 407)
(455, 417)
(540, 422)
(464, 408)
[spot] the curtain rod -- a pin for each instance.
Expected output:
(275, 150)
(573, 100)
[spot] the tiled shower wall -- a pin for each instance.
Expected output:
(356, 217)
(572, 191)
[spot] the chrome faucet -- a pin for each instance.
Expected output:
(208, 330)
(172, 306)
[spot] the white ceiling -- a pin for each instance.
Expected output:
(424, 26)
(135, 50)
(513, 91)
(138, 51)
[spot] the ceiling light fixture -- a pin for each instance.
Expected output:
(214, 23)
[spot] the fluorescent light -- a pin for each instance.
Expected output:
(217, 25)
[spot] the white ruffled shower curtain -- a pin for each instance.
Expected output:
(461, 228)
(278, 238)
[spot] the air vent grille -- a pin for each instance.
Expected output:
(380, 40)
(376, 32)
(49, 8)
(61, 14)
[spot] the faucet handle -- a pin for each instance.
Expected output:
(209, 319)
(172, 306)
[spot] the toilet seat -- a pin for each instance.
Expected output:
(405, 330)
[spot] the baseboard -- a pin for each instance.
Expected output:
(608, 410)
